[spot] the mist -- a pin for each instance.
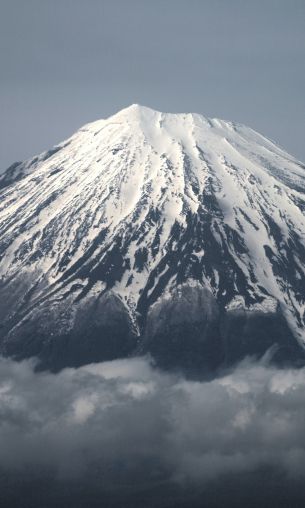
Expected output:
(124, 425)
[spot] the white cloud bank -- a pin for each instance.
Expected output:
(128, 419)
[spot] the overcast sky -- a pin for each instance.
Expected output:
(67, 62)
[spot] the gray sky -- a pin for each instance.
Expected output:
(66, 62)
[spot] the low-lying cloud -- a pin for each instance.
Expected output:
(130, 420)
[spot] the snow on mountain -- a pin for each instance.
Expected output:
(133, 208)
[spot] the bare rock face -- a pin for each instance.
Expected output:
(70, 334)
(257, 331)
(174, 235)
(182, 331)
(187, 331)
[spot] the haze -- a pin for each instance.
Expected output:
(65, 63)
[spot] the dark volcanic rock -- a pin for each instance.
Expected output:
(67, 335)
(254, 334)
(182, 331)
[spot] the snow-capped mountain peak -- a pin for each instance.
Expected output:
(144, 202)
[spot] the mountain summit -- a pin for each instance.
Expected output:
(172, 234)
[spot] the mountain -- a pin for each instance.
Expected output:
(169, 234)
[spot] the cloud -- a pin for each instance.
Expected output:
(127, 420)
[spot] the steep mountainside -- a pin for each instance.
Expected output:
(148, 232)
